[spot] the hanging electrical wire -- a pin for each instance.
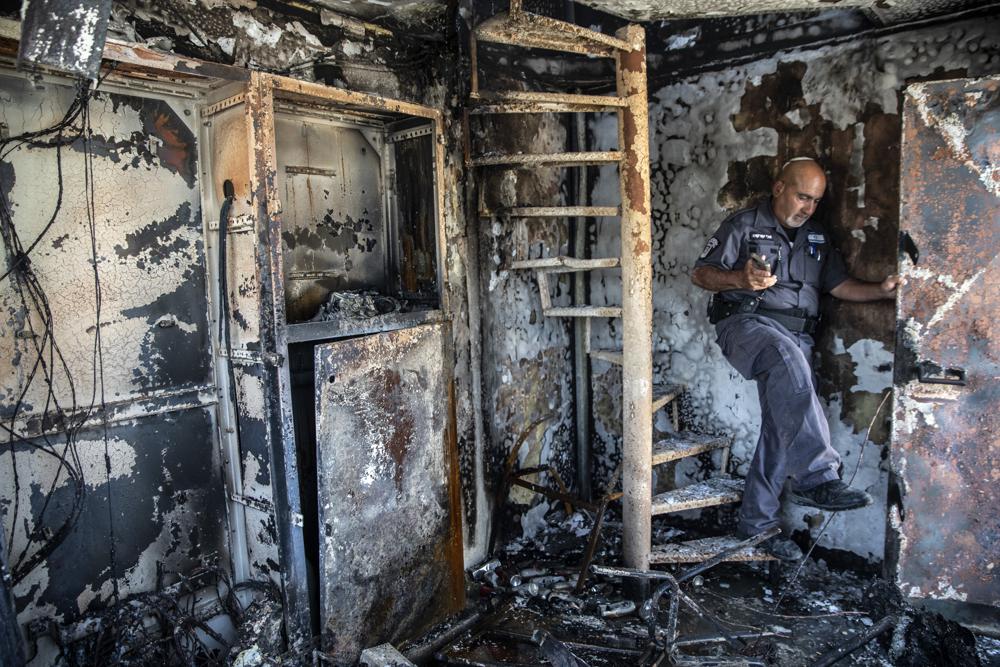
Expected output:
(61, 416)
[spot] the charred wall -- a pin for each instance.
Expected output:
(527, 368)
(717, 138)
(166, 478)
(114, 476)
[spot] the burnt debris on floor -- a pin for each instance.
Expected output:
(529, 613)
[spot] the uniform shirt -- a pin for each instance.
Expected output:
(805, 269)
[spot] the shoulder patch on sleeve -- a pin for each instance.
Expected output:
(712, 244)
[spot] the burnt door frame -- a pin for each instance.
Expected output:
(261, 93)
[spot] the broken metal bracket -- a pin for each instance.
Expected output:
(258, 504)
(249, 357)
(239, 223)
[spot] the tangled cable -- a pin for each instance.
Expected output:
(165, 627)
(60, 419)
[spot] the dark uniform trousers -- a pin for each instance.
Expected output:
(794, 437)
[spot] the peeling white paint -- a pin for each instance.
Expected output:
(872, 364)
(257, 31)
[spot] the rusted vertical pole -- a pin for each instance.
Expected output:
(637, 300)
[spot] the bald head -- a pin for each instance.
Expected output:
(797, 190)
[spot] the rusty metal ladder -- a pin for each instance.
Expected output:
(640, 398)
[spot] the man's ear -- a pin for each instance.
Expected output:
(777, 188)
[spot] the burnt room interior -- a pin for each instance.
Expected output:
(364, 332)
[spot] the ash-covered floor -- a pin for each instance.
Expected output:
(786, 615)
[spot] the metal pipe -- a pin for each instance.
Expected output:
(841, 652)
(424, 652)
(637, 301)
(581, 328)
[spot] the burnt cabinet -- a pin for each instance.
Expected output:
(334, 245)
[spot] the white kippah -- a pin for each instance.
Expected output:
(797, 159)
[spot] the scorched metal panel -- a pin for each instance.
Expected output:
(390, 537)
(946, 427)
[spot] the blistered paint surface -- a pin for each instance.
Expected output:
(945, 443)
(526, 356)
(717, 138)
(166, 501)
(649, 10)
(390, 552)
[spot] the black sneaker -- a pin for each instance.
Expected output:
(832, 496)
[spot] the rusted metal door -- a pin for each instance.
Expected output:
(946, 427)
(390, 529)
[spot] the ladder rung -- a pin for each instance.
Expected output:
(534, 31)
(681, 445)
(554, 212)
(562, 264)
(715, 491)
(532, 102)
(697, 551)
(584, 311)
(577, 159)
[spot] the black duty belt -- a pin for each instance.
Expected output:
(794, 319)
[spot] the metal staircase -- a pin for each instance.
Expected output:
(640, 397)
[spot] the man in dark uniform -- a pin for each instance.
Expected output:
(768, 266)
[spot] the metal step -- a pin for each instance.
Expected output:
(576, 159)
(563, 264)
(584, 311)
(542, 32)
(681, 445)
(611, 356)
(715, 491)
(531, 102)
(696, 551)
(663, 394)
(554, 212)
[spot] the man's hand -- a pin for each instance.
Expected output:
(889, 285)
(755, 278)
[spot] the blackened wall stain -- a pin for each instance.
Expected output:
(159, 241)
(340, 236)
(175, 355)
(175, 489)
